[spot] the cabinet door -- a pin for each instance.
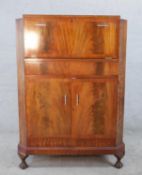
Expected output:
(70, 37)
(94, 111)
(48, 111)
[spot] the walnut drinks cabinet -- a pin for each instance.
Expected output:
(71, 77)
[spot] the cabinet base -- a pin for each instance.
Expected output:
(117, 151)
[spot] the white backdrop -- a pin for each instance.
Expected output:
(12, 9)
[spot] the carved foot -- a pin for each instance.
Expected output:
(118, 163)
(23, 164)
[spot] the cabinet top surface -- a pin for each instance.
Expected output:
(28, 16)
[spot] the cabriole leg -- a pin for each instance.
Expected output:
(119, 156)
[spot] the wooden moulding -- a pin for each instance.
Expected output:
(71, 151)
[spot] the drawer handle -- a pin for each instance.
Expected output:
(77, 99)
(41, 24)
(65, 99)
(102, 25)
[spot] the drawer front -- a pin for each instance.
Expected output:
(70, 67)
(70, 37)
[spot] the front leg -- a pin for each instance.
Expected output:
(119, 156)
(23, 164)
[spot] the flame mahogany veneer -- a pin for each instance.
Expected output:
(71, 77)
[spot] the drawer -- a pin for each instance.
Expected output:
(64, 67)
(70, 37)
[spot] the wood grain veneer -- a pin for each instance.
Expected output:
(71, 82)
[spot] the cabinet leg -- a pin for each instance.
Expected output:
(119, 156)
(23, 164)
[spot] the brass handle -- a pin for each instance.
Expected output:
(65, 99)
(77, 99)
(102, 25)
(41, 24)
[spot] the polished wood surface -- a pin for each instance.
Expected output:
(21, 82)
(57, 111)
(72, 150)
(71, 77)
(71, 67)
(48, 112)
(71, 37)
(121, 77)
(94, 118)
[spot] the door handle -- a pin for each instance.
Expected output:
(65, 99)
(77, 99)
(40, 24)
(102, 25)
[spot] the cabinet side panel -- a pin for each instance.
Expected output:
(121, 88)
(21, 86)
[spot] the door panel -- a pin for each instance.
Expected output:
(71, 37)
(48, 111)
(63, 112)
(94, 108)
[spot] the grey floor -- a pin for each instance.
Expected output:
(100, 165)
